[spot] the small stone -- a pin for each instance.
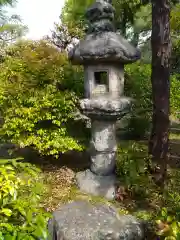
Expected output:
(71, 223)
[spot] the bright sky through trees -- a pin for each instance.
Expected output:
(38, 15)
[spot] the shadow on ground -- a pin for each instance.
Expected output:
(77, 161)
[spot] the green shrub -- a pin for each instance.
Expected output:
(131, 163)
(21, 217)
(39, 98)
(138, 86)
(164, 213)
(175, 95)
(39, 93)
(138, 126)
(168, 224)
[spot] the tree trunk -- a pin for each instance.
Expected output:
(161, 53)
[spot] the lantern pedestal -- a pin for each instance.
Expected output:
(96, 185)
(100, 179)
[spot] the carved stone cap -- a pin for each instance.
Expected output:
(101, 9)
(101, 43)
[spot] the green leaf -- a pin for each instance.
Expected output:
(170, 219)
(164, 212)
(29, 216)
(6, 211)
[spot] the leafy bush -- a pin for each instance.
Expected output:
(39, 93)
(175, 95)
(39, 97)
(138, 86)
(161, 209)
(168, 218)
(131, 163)
(21, 218)
(168, 224)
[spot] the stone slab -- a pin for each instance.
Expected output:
(81, 220)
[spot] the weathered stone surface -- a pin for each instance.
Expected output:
(103, 163)
(100, 16)
(115, 81)
(81, 220)
(103, 136)
(106, 104)
(101, 43)
(96, 185)
(100, 10)
(104, 47)
(105, 108)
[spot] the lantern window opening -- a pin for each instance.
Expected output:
(102, 78)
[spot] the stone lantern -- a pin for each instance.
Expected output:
(103, 53)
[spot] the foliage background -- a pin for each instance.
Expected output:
(39, 98)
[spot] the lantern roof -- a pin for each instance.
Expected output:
(102, 43)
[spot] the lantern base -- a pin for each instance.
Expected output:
(104, 186)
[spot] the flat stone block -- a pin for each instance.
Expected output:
(91, 183)
(81, 220)
(103, 163)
